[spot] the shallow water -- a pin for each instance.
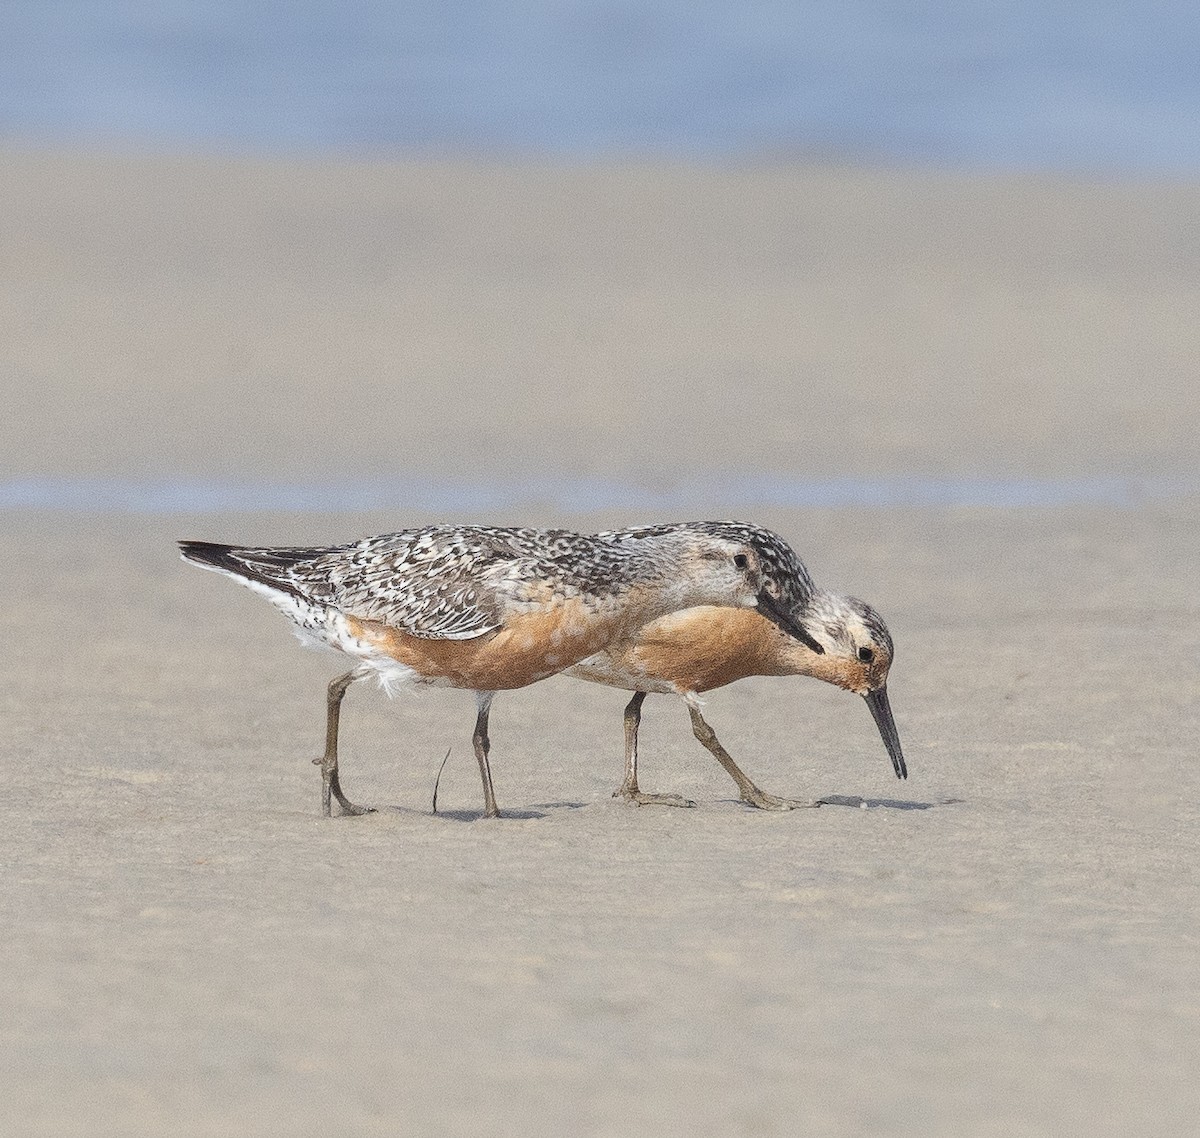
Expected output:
(169, 496)
(1051, 84)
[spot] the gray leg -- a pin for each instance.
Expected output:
(482, 744)
(328, 762)
(749, 792)
(629, 785)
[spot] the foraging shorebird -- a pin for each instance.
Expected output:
(491, 609)
(695, 650)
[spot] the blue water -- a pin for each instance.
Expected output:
(707, 496)
(1045, 84)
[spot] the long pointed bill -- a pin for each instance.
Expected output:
(770, 608)
(881, 711)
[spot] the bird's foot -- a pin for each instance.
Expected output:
(764, 801)
(331, 788)
(641, 798)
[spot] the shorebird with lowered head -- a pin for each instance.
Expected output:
(841, 640)
(491, 609)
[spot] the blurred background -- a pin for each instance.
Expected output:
(337, 255)
(1106, 86)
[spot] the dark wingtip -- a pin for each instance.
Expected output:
(266, 566)
(209, 553)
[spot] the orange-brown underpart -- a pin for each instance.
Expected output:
(530, 647)
(705, 648)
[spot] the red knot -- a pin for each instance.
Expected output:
(491, 609)
(695, 650)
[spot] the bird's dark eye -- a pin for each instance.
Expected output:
(866, 655)
(741, 560)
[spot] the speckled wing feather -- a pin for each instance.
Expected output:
(426, 582)
(439, 583)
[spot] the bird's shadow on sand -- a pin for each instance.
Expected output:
(520, 814)
(543, 809)
(537, 810)
(860, 803)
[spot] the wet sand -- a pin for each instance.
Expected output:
(1003, 945)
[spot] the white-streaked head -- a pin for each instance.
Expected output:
(857, 656)
(707, 570)
(857, 645)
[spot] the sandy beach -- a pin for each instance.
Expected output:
(1005, 944)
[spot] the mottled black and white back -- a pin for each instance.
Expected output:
(462, 582)
(455, 582)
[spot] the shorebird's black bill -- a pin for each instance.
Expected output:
(770, 608)
(881, 712)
